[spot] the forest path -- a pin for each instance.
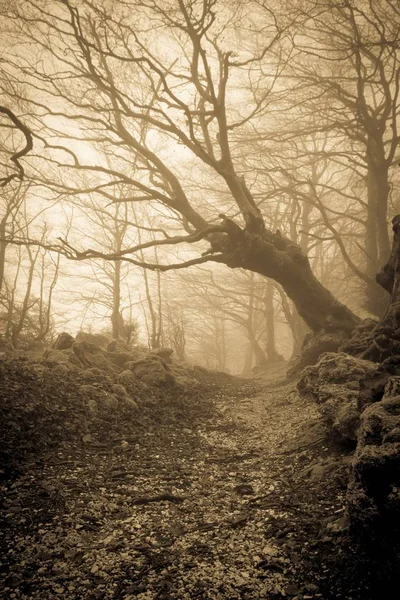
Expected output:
(236, 509)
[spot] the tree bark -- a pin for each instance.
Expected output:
(274, 256)
(220, 343)
(258, 352)
(272, 353)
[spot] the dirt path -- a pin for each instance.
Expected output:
(245, 507)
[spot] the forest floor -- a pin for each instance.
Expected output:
(245, 503)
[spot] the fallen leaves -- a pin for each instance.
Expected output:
(201, 511)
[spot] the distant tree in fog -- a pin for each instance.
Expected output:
(347, 54)
(28, 273)
(175, 68)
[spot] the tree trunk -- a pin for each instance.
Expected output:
(257, 351)
(272, 354)
(260, 356)
(272, 255)
(18, 327)
(116, 319)
(3, 246)
(297, 326)
(248, 361)
(377, 243)
(220, 343)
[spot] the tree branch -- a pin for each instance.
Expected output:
(17, 155)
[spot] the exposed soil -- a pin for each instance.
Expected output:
(237, 495)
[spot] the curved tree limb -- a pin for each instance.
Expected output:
(73, 253)
(17, 155)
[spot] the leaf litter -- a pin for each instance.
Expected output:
(218, 492)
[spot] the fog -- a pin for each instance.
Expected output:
(199, 299)
(209, 173)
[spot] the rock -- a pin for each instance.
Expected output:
(63, 368)
(314, 346)
(292, 589)
(339, 526)
(185, 382)
(119, 391)
(392, 436)
(118, 346)
(151, 370)
(57, 356)
(110, 401)
(96, 339)
(93, 372)
(64, 341)
(360, 338)
(333, 383)
(87, 348)
(63, 357)
(392, 387)
(101, 362)
(244, 489)
(92, 375)
(87, 388)
(92, 356)
(164, 353)
(126, 375)
(374, 491)
(342, 414)
(39, 369)
(131, 402)
(372, 385)
(329, 468)
(122, 358)
(101, 398)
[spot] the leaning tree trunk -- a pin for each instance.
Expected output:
(274, 256)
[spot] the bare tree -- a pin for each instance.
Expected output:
(13, 134)
(112, 227)
(27, 295)
(175, 326)
(348, 54)
(243, 299)
(184, 82)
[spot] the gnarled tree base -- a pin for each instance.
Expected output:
(314, 347)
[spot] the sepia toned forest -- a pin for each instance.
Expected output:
(199, 237)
